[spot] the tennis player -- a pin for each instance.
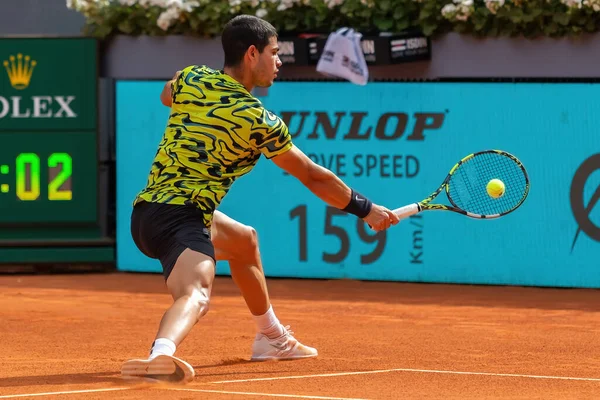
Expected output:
(216, 133)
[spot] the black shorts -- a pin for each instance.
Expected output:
(164, 231)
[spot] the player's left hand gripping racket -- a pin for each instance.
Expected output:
(466, 187)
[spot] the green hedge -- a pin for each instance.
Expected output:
(205, 18)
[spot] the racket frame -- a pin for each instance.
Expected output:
(426, 205)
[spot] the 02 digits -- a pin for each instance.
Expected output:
(330, 228)
(28, 176)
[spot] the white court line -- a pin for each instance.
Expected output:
(428, 371)
(295, 396)
(14, 396)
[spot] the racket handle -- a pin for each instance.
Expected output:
(407, 211)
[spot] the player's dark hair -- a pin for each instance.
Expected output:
(242, 32)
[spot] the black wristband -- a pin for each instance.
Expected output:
(359, 205)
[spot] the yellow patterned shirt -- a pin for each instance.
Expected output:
(216, 133)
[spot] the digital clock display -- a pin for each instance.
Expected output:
(51, 205)
(48, 135)
(47, 178)
(29, 180)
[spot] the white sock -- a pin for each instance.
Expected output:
(268, 324)
(162, 346)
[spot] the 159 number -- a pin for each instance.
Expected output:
(378, 238)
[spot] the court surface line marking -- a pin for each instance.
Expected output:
(14, 396)
(428, 371)
(294, 396)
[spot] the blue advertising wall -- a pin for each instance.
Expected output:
(395, 142)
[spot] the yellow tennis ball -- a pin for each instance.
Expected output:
(495, 188)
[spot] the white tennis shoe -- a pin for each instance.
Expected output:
(285, 347)
(161, 368)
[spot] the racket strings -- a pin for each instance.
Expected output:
(467, 188)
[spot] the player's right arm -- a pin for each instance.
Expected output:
(332, 190)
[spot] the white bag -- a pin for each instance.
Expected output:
(343, 57)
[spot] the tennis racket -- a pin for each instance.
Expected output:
(466, 187)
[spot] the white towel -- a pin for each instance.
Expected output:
(343, 57)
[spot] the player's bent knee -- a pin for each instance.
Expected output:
(247, 243)
(252, 237)
(200, 303)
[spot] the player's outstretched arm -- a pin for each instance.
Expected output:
(332, 190)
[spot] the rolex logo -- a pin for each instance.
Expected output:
(19, 70)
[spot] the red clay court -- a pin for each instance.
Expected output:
(65, 336)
